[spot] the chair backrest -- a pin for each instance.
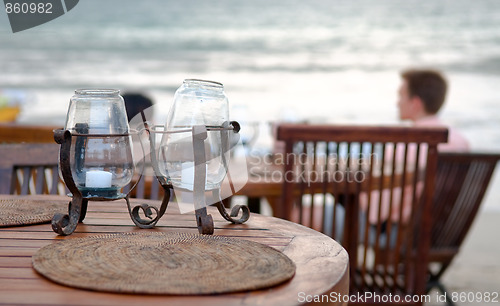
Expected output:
(29, 168)
(360, 169)
(461, 182)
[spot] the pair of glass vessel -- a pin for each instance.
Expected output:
(102, 161)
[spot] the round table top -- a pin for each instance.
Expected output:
(322, 265)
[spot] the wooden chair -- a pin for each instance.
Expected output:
(28, 160)
(461, 182)
(330, 169)
(29, 168)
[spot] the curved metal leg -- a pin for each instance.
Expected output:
(148, 211)
(245, 211)
(204, 221)
(83, 211)
(65, 224)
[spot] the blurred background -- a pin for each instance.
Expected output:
(318, 61)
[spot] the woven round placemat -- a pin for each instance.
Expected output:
(17, 212)
(163, 263)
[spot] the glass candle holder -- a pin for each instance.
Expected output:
(102, 162)
(196, 103)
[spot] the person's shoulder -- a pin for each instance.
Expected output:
(456, 142)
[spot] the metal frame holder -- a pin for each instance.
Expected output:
(65, 224)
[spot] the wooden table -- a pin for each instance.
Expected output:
(322, 264)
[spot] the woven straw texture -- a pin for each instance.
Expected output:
(163, 263)
(17, 212)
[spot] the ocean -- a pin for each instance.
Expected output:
(334, 61)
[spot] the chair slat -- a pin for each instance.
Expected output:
(26, 179)
(55, 180)
(40, 181)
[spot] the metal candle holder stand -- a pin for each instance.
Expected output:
(65, 224)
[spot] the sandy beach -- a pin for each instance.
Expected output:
(475, 269)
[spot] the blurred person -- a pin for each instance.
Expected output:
(139, 108)
(135, 103)
(421, 95)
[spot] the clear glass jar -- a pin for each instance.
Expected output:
(101, 148)
(196, 102)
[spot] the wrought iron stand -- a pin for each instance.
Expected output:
(65, 224)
